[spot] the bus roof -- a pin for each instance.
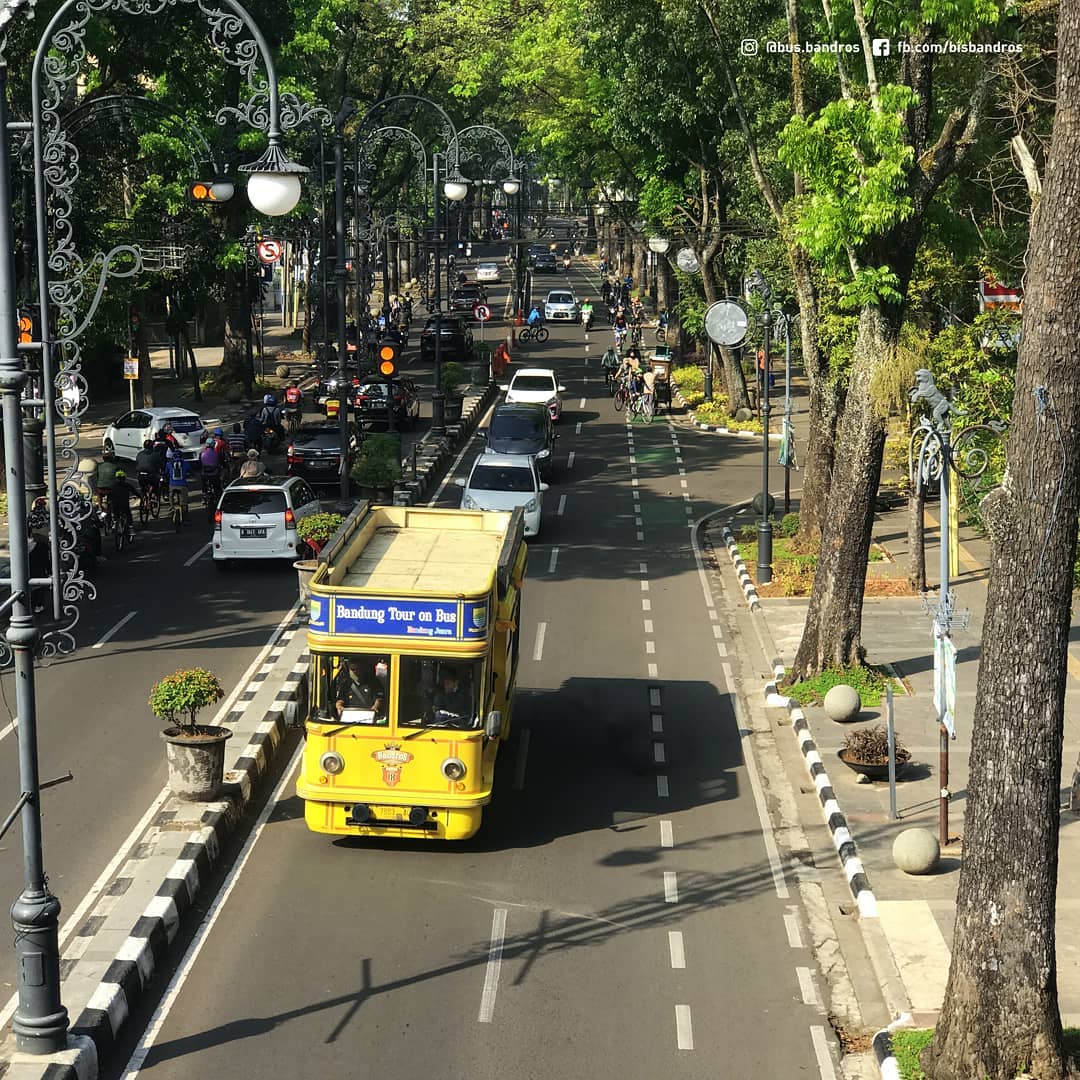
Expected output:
(447, 561)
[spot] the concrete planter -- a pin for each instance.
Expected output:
(196, 762)
(305, 571)
(452, 409)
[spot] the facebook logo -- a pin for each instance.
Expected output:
(881, 46)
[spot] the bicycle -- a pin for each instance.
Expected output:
(293, 420)
(620, 337)
(211, 489)
(121, 529)
(642, 407)
(149, 504)
(177, 513)
(539, 334)
(635, 334)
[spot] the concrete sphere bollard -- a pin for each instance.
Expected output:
(742, 415)
(234, 395)
(282, 371)
(756, 504)
(842, 703)
(916, 851)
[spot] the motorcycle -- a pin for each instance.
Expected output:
(587, 320)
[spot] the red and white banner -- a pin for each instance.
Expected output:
(1003, 297)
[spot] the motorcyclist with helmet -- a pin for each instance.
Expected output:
(294, 403)
(270, 417)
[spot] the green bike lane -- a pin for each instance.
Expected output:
(617, 915)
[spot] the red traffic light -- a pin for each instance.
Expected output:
(26, 328)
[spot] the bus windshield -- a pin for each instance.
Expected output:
(439, 693)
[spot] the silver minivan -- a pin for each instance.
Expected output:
(256, 519)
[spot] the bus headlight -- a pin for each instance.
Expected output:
(453, 768)
(332, 763)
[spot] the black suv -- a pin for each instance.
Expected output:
(457, 339)
(369, 405)
(465, 297)
(315, 453)
(544, 262)
(523, 429)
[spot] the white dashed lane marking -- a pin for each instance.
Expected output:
(676, 949)
(666, 839)
(662, 787)
(684, 1031)
(671, 887)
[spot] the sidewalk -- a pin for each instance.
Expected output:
(917, 913)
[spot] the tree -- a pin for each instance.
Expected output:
(874, 160)
(1000, 1014)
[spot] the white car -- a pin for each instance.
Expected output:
(505, 482)
(256, 519)
(125, 435)
(536, 386)
(561, 305)
(487, 271)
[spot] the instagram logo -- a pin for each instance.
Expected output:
(881, 46)
(749, 46)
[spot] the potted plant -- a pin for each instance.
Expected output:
(314, 530)
(377, 468)
(195, 752)
(867, 752)
(454, 377)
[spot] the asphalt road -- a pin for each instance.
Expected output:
(622, 864)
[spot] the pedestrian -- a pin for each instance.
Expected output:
(500, 359)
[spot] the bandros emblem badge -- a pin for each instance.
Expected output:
(391, 758)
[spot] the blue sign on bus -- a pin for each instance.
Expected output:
(450, 620)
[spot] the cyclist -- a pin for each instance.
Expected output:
(104, 476)
(620, 326)
(120, 500)
(609, 363)
(176, 469)
(662, 319)
(173, 443)
(648, 380)
(148, 467)
(587, 314)
(536, 317)
(605, 291)
(294, 401)
(253, 431)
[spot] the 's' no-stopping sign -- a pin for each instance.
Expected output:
(270, 251)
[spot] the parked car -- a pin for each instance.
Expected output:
(536, 386)
(314, 453)
(256, 519)
(457, 339)
(125, 435)
(505, 482)
(487, 271)
(370, 402)
(562, 305)
(467, 296)
(523, 429)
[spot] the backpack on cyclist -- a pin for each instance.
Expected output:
(293, 395)
(210, 457)
(176, 472)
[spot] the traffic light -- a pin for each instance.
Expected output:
(388, 358)
(202, 192)
(28, 329)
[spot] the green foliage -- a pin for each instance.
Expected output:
(454, 375)
(377, 465)
(316, 529)
(178, 697)
(907, 1045)
(688, 378)
(868, 682)
(789, 525)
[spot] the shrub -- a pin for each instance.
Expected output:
(712, 412)
(871, 746)
(453, 376)
(789, 525)
(693, 398)
(316, 529)
(178, 697)
(688, 378)
(378, 466)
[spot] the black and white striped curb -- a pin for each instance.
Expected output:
(842, 839)
(740, 568)
(882, 1043)
(717, 429)
(129, 974)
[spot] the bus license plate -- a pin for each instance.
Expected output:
(259, 534)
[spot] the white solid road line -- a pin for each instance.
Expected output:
(202, 935)
(806, 986)
(562, 505)
(198, 554)
(494, 965)
(522, 760)
(675, 947)
(671, 887)
(554, 560)
(684, 1030)
(794, 935)
(538, 651)
(666, 838)
(821, 1052)
(120, 625)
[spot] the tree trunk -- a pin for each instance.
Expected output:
(832, 636)
(916, 539)
(141, 343)
(1000, 1014)
(826, 404)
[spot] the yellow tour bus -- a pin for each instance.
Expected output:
(413, 634)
